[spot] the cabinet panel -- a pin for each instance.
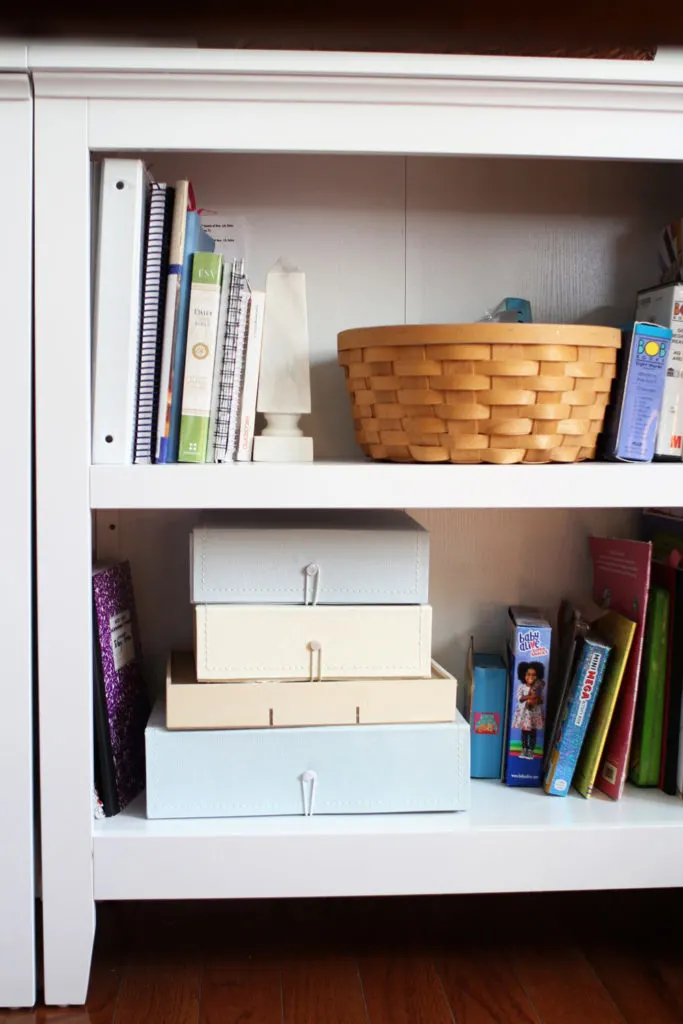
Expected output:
(576, 237)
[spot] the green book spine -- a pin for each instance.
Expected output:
(202, 331)
(646, 747)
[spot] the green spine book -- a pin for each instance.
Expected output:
(646, 747)
(202, 331)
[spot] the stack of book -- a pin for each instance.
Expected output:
(619, 693)
(311, 686)
(177, 328)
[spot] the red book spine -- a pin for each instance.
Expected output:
(621, 581)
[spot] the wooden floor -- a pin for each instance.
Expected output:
(608, 958)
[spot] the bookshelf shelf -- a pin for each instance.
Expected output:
(581, 844)
(397, 182)
(380, 485)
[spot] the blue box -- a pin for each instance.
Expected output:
(632, 421)
(362, 769)
(485, 710)
(529, 637)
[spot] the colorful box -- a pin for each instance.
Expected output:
(575, 716)
(632, 420)
(485, 703)
(529, 637)
(664, 306)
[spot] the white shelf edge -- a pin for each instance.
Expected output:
(380, 485)
(577, 844)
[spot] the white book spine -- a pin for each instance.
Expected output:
(175, 266)
(117, 314)
(252, 366)
(218, 362)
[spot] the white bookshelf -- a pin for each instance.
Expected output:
(581, 844)
(381, 485)
(17, 907)
(397, 183)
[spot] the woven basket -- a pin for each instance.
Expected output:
(483, 392)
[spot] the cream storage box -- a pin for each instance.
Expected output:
(258, 705)
(307, 557)
(373, 769)
(320, 642)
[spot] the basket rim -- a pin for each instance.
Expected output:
(479, 333)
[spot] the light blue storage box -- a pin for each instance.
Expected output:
(364, 769)
(333, 556)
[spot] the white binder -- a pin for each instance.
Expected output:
(117, 310)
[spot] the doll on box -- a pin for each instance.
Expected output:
(528, 716)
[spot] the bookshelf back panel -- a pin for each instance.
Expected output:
(391, 239)
(481, 561)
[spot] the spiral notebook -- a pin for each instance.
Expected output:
(154, 299)
(232, 371)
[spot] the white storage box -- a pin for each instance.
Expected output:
(354, 557)
(258, 705)
(330, 770)
(287, 642)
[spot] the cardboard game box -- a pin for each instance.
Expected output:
(529, 638)
(486, 699)
(664, 306)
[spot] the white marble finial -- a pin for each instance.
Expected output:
(284, 392)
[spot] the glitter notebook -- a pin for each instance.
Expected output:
(121, 706)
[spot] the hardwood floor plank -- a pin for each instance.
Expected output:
(562, 985)
(103, 991)
(669, 966)
(403, 990)
(159, 995)
(234, 997)
(635, 982)
(482, 988)
(323, 990)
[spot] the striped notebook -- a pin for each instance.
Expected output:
(232, 369)
(235, 417)
(154, 298)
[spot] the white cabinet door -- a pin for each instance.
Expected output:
(17, 910)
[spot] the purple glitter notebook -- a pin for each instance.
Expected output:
(121, 706)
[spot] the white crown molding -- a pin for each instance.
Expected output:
(14, 86)
(666, 69)
(13, 55)
(414, 91)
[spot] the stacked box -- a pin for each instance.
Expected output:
(310, 625)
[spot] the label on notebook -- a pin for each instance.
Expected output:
(122, 643)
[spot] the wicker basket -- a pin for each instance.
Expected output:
(483, 392)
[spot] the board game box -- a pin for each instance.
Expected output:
(529, 638)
